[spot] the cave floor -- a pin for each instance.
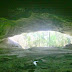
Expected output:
(49, 60)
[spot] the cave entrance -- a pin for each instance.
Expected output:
(42, 39)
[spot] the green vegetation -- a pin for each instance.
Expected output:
(46, 39)
(50, 63)
(46, 63)
(4, 50)
(5, 26)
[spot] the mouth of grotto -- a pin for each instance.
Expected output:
(46, 39)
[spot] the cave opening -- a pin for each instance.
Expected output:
(46, 39)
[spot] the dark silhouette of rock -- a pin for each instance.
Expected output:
(68, 46)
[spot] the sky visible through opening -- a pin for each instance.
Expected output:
(42, 39)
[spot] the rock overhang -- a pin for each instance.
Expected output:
(21, 16)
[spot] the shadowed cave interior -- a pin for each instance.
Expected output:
(36, 31)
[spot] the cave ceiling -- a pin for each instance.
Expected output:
(17, 16)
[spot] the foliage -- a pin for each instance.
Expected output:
(44, 39)
(51, 63)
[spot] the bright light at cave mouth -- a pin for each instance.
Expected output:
(40, 39)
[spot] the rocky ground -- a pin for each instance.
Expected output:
(49, 60)
(34, 51)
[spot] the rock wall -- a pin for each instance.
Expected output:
(7, 43)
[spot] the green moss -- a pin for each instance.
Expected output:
(52, 63)
(4, 51)
(5, 26)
